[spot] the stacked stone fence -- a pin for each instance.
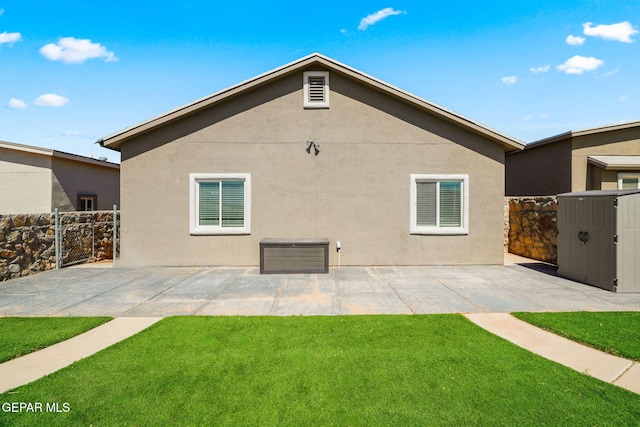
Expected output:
(27, 241)
(531, 227)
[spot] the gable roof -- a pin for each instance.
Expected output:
(55, 153)
(114, 140)
(584, 132)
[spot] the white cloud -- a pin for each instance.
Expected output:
(51, 100)
(10, 37)
(612, 72)
(72, 50)
(1, 12)
(530, 117)
(76, 134)
(621, 31)
(509, 80)
(377, 16)
(16, 104)
(623, 98)
(575, 40)
(579, 64)
(540, 69)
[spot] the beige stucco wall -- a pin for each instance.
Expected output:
(355, 191)
(542, 170)
(600, 179)
(41, 180)
(25, 182)
(615, 143)
(72, 177)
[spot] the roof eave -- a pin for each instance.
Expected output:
(55, 153)
(115, 140)
(604, 164)
(583, 132)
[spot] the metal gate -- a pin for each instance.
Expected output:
(75, 237)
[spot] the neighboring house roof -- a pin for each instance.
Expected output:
(55, 153)
(616, 162)
(583, 132)
(599, 193)
(114, 141)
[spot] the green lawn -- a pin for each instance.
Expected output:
(617, 333)
(22, 335)
(296, 371)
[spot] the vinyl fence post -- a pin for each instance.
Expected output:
(115, 234)
(57, 238)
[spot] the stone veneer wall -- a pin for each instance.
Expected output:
(531, 227)
(27, 241)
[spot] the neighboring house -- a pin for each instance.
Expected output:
(312, 149)
(602, 158)
(39, 180)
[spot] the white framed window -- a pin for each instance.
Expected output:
(439, 204)
(87, 202)
(219, 203)
(316, 89)
(628, 181)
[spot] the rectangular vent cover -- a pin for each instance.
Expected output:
(316, 89)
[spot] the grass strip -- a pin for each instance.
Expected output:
(23, 335)
(617, 333)
(437, 370)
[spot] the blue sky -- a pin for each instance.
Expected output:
(73, 72)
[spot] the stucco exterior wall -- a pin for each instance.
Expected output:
(26, 182)
(71, 178)
(539, 171)
(355, 191)
(619, 143)
(600, 179)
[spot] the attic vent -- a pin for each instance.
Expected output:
(316, 89)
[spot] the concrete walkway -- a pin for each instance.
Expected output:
(612, 369)
(32, 366)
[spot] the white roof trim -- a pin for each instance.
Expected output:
(615, 162)
(114, 140)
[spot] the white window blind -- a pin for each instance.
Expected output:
(450, 204)
(220, 203)
(232, 203)
(209, 203)
(426, 203)
(439, 204)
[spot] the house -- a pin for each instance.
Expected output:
(39, 180)
(602, 158)
(312, 149)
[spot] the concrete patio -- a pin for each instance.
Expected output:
(92, 290)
